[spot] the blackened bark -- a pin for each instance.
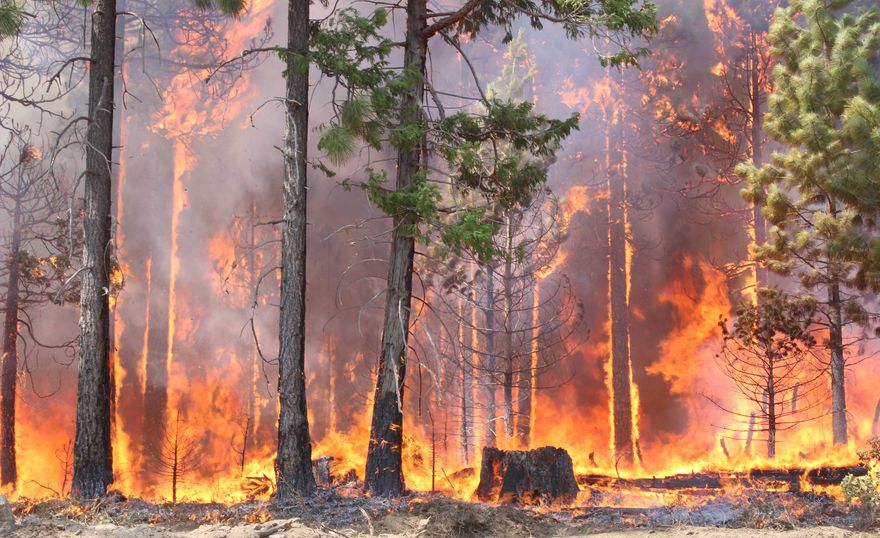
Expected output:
(543, 475)
(8, 469)
(622, 411)
(294, 460)
(92, 454)
(384, 473)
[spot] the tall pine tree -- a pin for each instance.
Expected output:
(826, 98)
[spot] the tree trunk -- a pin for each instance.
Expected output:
(92, 454)
(8, 470)
(838, 366)
(757, 133)
(771, 410)
(509, 351)
(294, 459)
(543, 475)
(384, 473)
(527, 371)
(622, 411)
(489, 365)
(467, 380)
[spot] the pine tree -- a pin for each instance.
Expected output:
(293, 463)
(398, 109)
(11, 18)
(766, 352)
(825, 100)
(93, 456)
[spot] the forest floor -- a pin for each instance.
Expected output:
(759, 515)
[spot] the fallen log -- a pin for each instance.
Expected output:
(764, 479)
(833, 476)
(775, 479)
(543, 475)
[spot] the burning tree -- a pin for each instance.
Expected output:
(825, 88)
(92, 453)
(524, 305)
(93, 469)
(38, 261)
(414, 202)
(294, 461)
(766, 353)
(527, 311)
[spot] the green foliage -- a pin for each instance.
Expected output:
(613, 19)
(233, 8)
(862, 493)
(350, 50)
(778, 323)
(11, 18)
(474, 232)
(826, 99)
(497, 153)
(413, 207)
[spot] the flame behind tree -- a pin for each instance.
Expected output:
(93, 466)
(526, 304)
(176, 455)
(414, 201)
(38, 264)
(826, 95)
(294, 460)
(731, 130)
(92, 453)
(767, 353)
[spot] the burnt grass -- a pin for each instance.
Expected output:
(344, 510)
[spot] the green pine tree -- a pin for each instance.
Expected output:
(11, 18)
(394, 110)
(824, 112)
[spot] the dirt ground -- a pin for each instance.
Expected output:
(293, 528)
(434, 516)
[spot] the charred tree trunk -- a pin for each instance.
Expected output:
(838, 366)
(543, 475)
(293, 462)
(489, 365)
(621, 374)
(8, 469)
(92, 456)
(384, 473)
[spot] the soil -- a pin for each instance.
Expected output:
(757, 515)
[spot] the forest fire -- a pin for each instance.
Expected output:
(616, 309)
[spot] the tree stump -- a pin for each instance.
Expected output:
(544, 475)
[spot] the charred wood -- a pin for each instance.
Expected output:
(543, 475)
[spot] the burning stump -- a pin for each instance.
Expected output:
(543, 475)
